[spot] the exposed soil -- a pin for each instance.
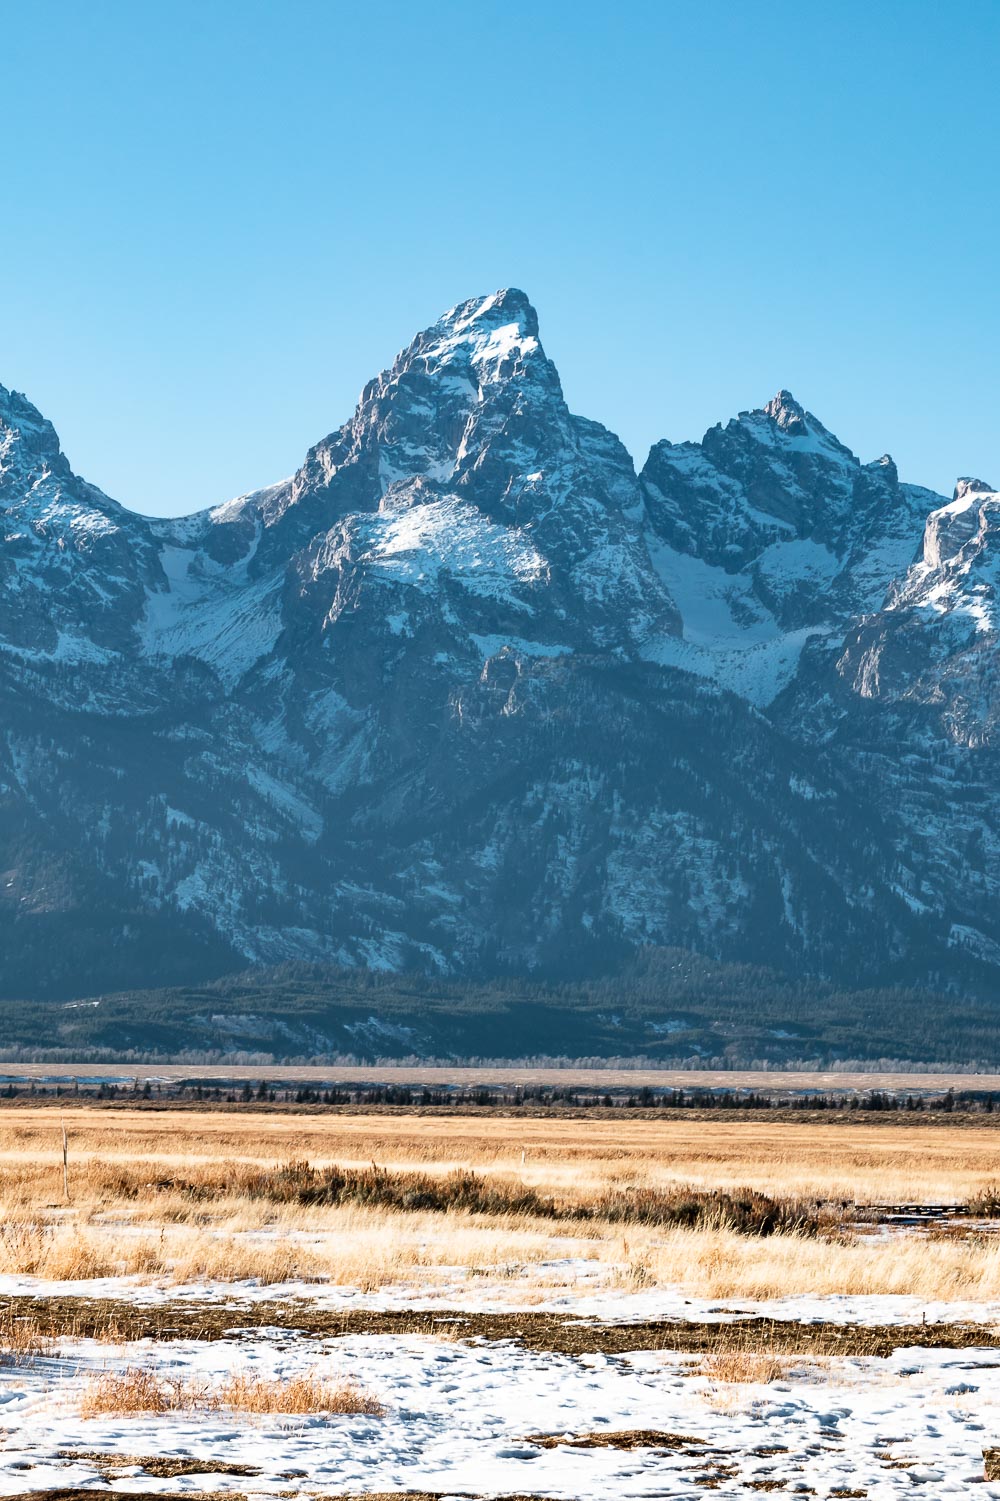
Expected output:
(629, 1438)
(555, 1332)
(161, 1466)
(101, 1494)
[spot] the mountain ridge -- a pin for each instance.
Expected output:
(469, 693)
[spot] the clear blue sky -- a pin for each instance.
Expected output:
(221, 218)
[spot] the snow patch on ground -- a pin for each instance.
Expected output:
(459, 1419)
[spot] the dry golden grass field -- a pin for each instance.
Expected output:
(177, 1196)
(870, 1161)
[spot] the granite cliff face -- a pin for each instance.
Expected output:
(467, 694)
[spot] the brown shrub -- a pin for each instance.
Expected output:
(985, 1204)
(379, 1188)
(628, 1438)
(746, 1211)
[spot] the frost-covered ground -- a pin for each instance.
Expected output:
(460, 1415)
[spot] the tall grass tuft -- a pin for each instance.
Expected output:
(142, 1389)
(739, 1366)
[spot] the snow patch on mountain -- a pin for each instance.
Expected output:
(796, 562)
(212, 613)
(414, 541)
(729, 635)
(69, 650)
(489, 646)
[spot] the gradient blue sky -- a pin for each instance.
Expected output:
(220, 219)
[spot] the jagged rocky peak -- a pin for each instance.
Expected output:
(476, 379)
(29, 445)
(16, 411)
(775, 474)
(934, 641)
(465, 446)
(967, 486)
(39, 492)
(475, 383)
(478, 344)
(799, 526)
(785, 422)
(787, 413)
(970, 518)
(467, 440)
(73, 562)
(805, 432)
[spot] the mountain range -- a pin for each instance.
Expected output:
(467, 695)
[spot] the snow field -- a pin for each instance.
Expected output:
(460, 1418)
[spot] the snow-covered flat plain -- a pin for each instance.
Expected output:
(460, 1419)
(463, 1417)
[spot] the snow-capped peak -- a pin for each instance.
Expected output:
(17, 411)
(29, 445)
(39, 490)
(508, 305)
(798, 429)
(969, 518)
(490, 338)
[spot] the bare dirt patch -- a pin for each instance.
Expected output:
(161, 1467)
(558, 1333)
(629, 1438)
(78, 1493)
